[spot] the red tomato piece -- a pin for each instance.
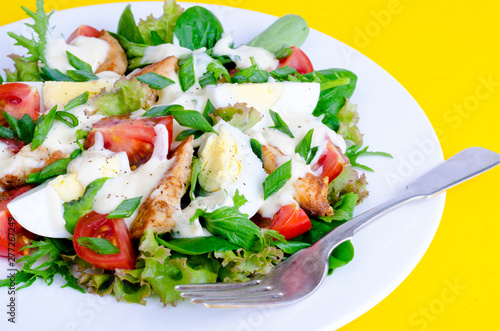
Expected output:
(17, 99)
(332, 162)
(297, 60)
(10, 231)
(96, 225)
(13, 145)
(291, 221)
(84, 30)
(136, 137)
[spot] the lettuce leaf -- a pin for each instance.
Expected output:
(349, 181)
(240, 116)
(26, 71)
(129, 95)
(163, 27)
(349, 117)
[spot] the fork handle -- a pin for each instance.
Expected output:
(460, 167)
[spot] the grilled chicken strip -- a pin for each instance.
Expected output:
(165, 67)
(157, 212)
(311, 192)
(116, 60)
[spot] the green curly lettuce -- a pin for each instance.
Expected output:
(157, 31)
(129, 95)
(349, 118)
(349, 181)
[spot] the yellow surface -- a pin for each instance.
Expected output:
(442, 52)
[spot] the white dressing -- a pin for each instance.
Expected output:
(153, 54)
(90, 50)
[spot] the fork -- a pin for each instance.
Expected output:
(299, 275)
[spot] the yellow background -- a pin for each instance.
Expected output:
(440, 51)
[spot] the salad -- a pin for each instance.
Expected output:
(163, 154)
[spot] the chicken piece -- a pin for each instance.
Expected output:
(311, 192)
(165, 67)
(116, 60)
(157, 212)
(39, 159)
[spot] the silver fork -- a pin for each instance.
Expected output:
(302, 273)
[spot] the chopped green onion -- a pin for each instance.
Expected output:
(57, 168)
(196, 166)
(155, 81)
(126, 208)
(27, 127)
(312, 154)
(279, 124)
(209, 109)
(159, 111)
(79, 135)
(304, 147)
(275, 181)
(192, 119)
(186, 73)
(207, 79)
(218, 70)
(99, 245)
(81, 75)
(73, 120)
(13, 123)
(78, 64)
(283, 52)
(43, 128)
(6, 133)
(55, 75)
(256, 148)
(189, 132)
(78, 101)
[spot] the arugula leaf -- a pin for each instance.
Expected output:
(197, 245)
(279, 124)
(43, 127)
(49, 252)
(35, 46)
(127, 27)
(186, 73)
(99, 245)
(355, 151)
(126, 208)
(75, 209)
(155, 81)
(198, 27)
(276, 180)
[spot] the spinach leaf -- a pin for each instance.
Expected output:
(198, 27)
(127, 27)
(291, 247)
(198, 245)
(341, 255)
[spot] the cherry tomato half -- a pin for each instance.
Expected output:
(297, 60)
(10, 231)
(136, 137)
(84, 30)
(96, 225)
(291, 221)
(332, 162)
(17, 99)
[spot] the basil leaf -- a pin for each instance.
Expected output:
(192, 119)
(197, 245)
(304, 147)
(78, 64)
(291, 247)
(6, 133)
(209, 109)
(186, 73)
(283, 72)
(159, 111)
(196, 169)
(126, 208)
(198, 27)
(99, 245)
(279, 124)
(73, 120)
(127, 27)
(256, 148)
(43, 128)
(189, 132)
(81, 75)
(76, 209)
(275, 181)
(77, 101)
(207, 79)
(155, 81)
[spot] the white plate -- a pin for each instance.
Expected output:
(386, 252)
